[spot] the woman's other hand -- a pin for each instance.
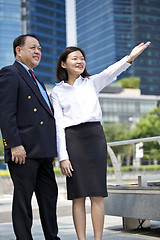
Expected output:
(136, 51)
(66, 168)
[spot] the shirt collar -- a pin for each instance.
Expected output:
(78, 80)
(24, 65)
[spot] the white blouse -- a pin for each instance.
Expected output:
(79, 103)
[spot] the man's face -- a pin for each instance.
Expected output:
(29, 53)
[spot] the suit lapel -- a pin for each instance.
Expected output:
(26, 77)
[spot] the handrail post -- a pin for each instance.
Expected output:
(116, 165)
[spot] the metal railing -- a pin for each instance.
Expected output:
(115, 163)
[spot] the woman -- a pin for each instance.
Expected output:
(82, 149)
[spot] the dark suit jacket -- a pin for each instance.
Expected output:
(25, 118)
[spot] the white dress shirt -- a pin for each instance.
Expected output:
(79, 103)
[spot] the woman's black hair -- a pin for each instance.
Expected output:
(61, 72)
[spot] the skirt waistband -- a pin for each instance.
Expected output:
(86, 124)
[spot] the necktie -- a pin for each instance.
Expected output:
(36, 82)
(34, 78)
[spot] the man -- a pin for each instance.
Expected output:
(28, 130)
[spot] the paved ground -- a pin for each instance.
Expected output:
(112, 228)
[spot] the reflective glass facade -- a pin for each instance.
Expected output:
(46, 19)
(107, 31)
(104, 32)
(10, 28)
(146, 22)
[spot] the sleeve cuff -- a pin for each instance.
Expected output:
(63, 156)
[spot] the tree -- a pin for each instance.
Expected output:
(1, 147)
(118, 132)
(148, 126)
(130, 82)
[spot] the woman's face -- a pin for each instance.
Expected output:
(75, 63)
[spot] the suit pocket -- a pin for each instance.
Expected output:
(26, 127)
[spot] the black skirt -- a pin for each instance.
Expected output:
(87, 149)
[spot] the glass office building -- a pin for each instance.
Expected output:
(46, 19)
(146, 26)
(10, 28)
(108, 30)
(104, 32)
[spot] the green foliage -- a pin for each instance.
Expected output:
(131, 82)
(118, 132)
(148, 126)
(110, 169)
(4, 173)
(127, 168)
(149, 168)
(141, 168)
(115, 132)
(1, 147)
(57, 171)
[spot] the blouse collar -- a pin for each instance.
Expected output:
(77, 82)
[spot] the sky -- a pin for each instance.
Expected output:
(71, 23)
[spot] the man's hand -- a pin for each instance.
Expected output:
(136, 51)
(66, 168)
(18, 154)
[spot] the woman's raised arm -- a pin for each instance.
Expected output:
(136, 51)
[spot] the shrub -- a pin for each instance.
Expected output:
(4, 173)
(1, 147)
